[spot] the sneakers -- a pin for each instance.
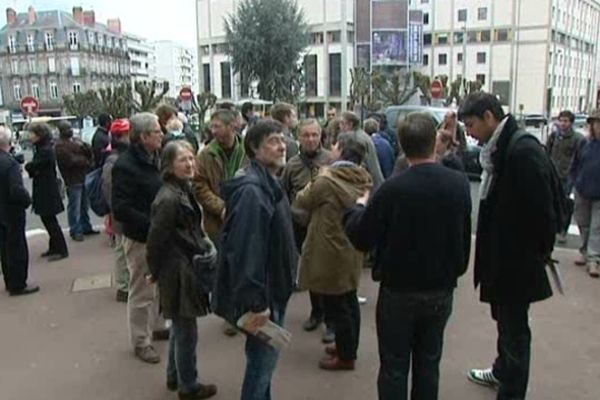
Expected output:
(311, 324)
(580, 260)
(484, 377)
(361, 300)
(335, 364)
(147, 354)
(593, 269)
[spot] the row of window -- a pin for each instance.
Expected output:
(335, 74)
(572, 42)
(443, 58)
(103, 66)
(475, 36)
(73, 40)
(482, 15)
(35, 90)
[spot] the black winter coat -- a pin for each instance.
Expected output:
(100, 141)
(175, 236)
(14, 198)
(258, 257)
(42, 169)
(136, 181)
(515, 231)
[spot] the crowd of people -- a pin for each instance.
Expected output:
(234, 224)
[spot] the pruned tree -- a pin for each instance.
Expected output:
(148, 95)
(423, 83)
(83, 104)
(460, 88)
(205, 101)
(265, 41)
(117, 102)
(360, 86)
(393, 88)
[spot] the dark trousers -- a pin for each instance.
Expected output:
(511, 367)
(411, 325)
(14, 254)
(343, 312)
(182, 354)
(56, 243)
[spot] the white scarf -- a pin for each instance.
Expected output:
(487, 164)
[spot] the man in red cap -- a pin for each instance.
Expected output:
(119, 132)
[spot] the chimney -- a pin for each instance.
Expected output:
(89, 18)
(78, 14)
(32, 15)
(11, 16)
(114, 25)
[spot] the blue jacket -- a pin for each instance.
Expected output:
(585, 169)
(258, 256)
(385, 154)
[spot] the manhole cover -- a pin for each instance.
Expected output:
(92, 283)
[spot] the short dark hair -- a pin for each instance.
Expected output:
(476, 104)
(246, 108)
(104, 119)
(164, 113)
(567, 114)
(65, 130)
(226, 105)
(352, 149)
(41, 130)
(351, 118)
(281, 110)
(371, 126)
(228, 117)
(259, 132)
(417, 135)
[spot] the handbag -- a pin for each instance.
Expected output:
(204, 266)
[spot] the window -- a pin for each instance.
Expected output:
(462, 15)
(481, 57)
(30, 43)
(441, 38)
(424, 1)
(484, 36)
(334, 36)
(425, 18)
(75, 66)
(425, 59)
(316, 38)
(76, 87)
(91, 38)
(73, 40)
(226, 80)
(49, 41)
(472, 37)
(310, 72)
(35, 90)
(480, 78)
(100, 40)
(442, 59)
(51, 64)
(206, 77)
(458, 37)
(482, 13)
(350, 36)
(459, 58)
(502, 35)
(14, 66)
(12, 47)
(427, 39)
(32, 65)
(335, 74)
(17, 91)
(53, 90)
(204, 50)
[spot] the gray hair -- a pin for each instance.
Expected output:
(307, 122)
(169, 155)
(141, 123)
(5, 136)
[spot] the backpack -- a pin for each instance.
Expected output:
(93, 187)
(561, 202)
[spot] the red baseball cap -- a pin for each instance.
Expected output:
(120, 127)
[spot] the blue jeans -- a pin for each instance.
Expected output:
(182, 354)
(261, 360)
(77, 210)
(410, 329)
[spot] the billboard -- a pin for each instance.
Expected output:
(415, 38)
(389, 48)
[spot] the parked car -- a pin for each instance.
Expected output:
(535, 120)
(470, 155)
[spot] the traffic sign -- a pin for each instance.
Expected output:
(30, 105)
(437, 89)
(186, 94)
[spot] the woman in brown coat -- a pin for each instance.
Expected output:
(329, 264)
(175, 239)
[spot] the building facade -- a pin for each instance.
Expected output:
(142, 59)
(177, 65)
(327, 60)
(538, 56)
(49, 54)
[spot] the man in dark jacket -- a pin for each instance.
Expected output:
(420, 223)
(14, 200)
(101, 139)
(257, 256)
(136, 181)
(515, 237)
(75, 159)
(288, 116)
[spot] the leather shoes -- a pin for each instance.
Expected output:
(335, 364)
(77, 238)
(162, 334)
(90, 233)
(25, 291)
(57, 257)
(203, 392)
(122, 296)
(47, 253)
(311, 324)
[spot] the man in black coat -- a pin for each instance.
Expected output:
(14, 200)
(515, 237)
(420, 224)
(258, 255)
(136, 181)
(101, 139)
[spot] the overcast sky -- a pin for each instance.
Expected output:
(156, 20)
